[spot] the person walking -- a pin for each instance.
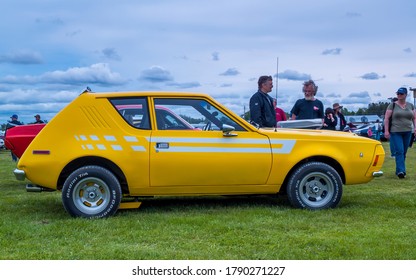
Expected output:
(399, 124)
(262, 112)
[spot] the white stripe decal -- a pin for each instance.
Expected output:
(209, 140)
(215, 150)
(117, 147)
(110, 138)
(131, 139)
(138, 148)
(286, 148)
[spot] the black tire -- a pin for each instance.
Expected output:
(314, 186)
(91, 192)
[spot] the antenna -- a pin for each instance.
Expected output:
(277, 75)
(414, 95)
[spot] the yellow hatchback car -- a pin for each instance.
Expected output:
(105, 151)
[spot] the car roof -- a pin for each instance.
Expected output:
(144, 93)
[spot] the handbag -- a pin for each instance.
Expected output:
(391, 117)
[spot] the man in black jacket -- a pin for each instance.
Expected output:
(261, 104)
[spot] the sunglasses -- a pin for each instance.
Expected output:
(400, 93)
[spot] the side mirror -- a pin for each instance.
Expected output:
(227, 129)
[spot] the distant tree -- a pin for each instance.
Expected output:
(377, 108)
(361, 111)
(345, 112)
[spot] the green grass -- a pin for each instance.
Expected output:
(374, 221)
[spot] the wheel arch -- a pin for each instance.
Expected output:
(324, 159)
(93, 160)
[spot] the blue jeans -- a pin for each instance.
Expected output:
(391, 148)
(400, 141)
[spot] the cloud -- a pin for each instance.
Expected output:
(353, 14)
(215, 56)
(51, 21)
(411, 75)
(357, 98)
(226, 85)
(111, 53)
(293, 75)
(336, 51)
(372, 76)
(21, 57)
(184, 85)
(333, 95)
(407, 50)
(156, 74)
(99, 74)
(230, 72)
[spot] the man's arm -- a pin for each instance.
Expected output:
(255, 110)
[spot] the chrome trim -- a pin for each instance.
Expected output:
(378, 173)
(19, 174)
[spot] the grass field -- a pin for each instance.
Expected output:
(374, 221)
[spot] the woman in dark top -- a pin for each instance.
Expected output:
(330, 121)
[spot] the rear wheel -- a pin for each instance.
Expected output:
(314, 185)
(91, 192)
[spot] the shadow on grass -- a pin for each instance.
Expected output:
(204, 203)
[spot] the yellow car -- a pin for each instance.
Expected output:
(104, 151)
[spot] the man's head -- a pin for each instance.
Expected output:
(265, 84)
(309, 89)
(37, 117)
(14, 117)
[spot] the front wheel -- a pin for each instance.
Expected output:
(91, 192)
(314, 185)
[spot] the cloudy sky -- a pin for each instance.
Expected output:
(358, 52)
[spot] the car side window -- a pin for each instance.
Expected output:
(133, 110)
(190, 114)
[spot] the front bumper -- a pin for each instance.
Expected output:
(378, 173)
(19, 174)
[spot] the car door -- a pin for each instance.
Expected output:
(185, 154)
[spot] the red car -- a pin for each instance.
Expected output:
(19, 137)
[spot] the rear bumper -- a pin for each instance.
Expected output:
(19, 174)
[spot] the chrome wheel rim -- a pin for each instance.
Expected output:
(91, 196)
(316, 189)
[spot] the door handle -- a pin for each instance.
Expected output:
(162, 145)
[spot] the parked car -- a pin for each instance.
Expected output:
(19, 137)
(308, 124)
(101, 161)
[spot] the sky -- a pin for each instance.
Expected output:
(358, 52)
